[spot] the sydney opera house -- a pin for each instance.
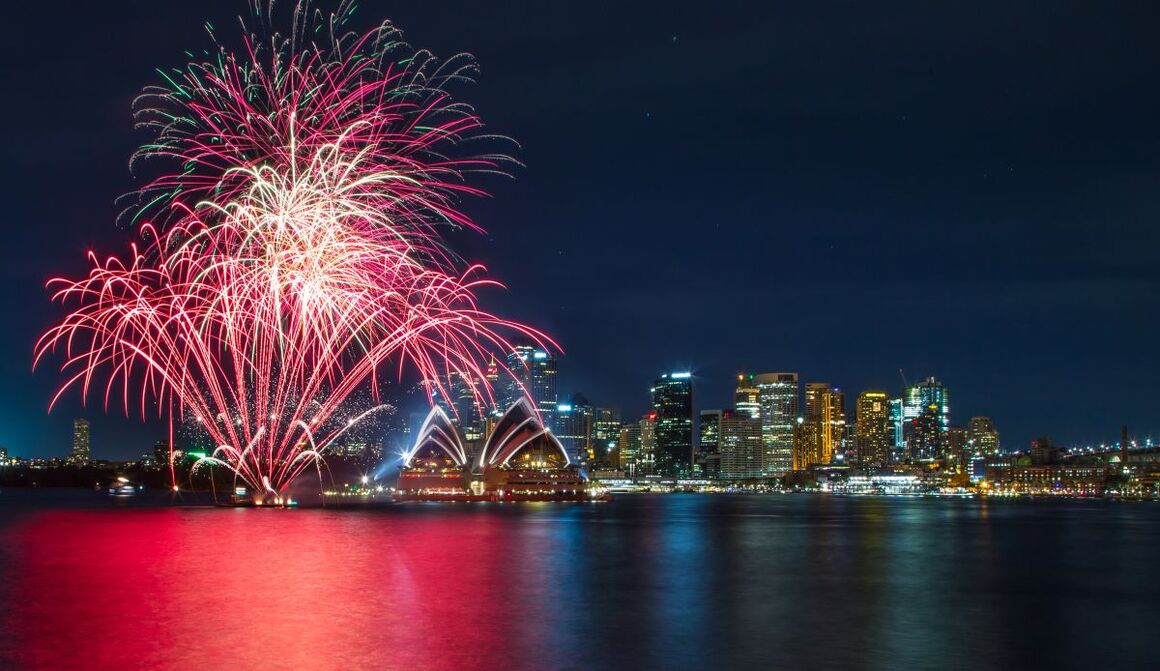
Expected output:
(519, 461)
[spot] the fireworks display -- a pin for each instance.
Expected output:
(294, 252)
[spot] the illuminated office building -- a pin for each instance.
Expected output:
(927, 438)
(897, 430)
(740, 446)
(80, 443)
(646, 455)
(872, 428)
(710, 423)
(605, 433)
(533, 370)
(982, 436)
(747, 397)
(928, 397)
(574, 428)
(807, 440)
(822, 429)
(628, 448)
(708, 457)
(672, 402)
(465, 405)
(926, 411)
(956, 453)
(778, 395)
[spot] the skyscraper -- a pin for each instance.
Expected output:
(982, 436)
(747, 398)
(825, 407)
(710, 424)
(927, 438)
(605, 433)
(897, 430)
(534, 371)
(672, 402)
(80, 442)
(807, 441)
(741, 446)
(464, 405)
(628, 447)
(926, 411)
(708, 446)
(920, 398)
(778, 395)
(955, 450)
(646, 456)
(574, 427)
(872, 428)
(161, 453)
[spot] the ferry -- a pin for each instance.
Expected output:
(122, 487)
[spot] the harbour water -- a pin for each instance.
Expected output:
(680, 581)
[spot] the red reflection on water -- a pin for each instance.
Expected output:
(247, 589)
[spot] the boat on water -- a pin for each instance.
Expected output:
(242, 498)
(121, 487)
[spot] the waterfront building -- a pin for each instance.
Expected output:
(437, 464)
(747, 397)
(888, 484)
(872, 428)
(672, 403)
(80, 442)
(1059, 479)
(982, 436)
(521, 460)
(740, 446)
(778, 395)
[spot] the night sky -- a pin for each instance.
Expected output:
(969, 190)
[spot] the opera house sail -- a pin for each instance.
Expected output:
(521, 460)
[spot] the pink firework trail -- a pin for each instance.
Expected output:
(296, 253)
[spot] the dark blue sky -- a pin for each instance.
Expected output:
(968, 190)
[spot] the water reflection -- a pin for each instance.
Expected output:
(643, 582)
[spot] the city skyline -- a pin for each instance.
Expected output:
(915, 214)
(564, 412)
